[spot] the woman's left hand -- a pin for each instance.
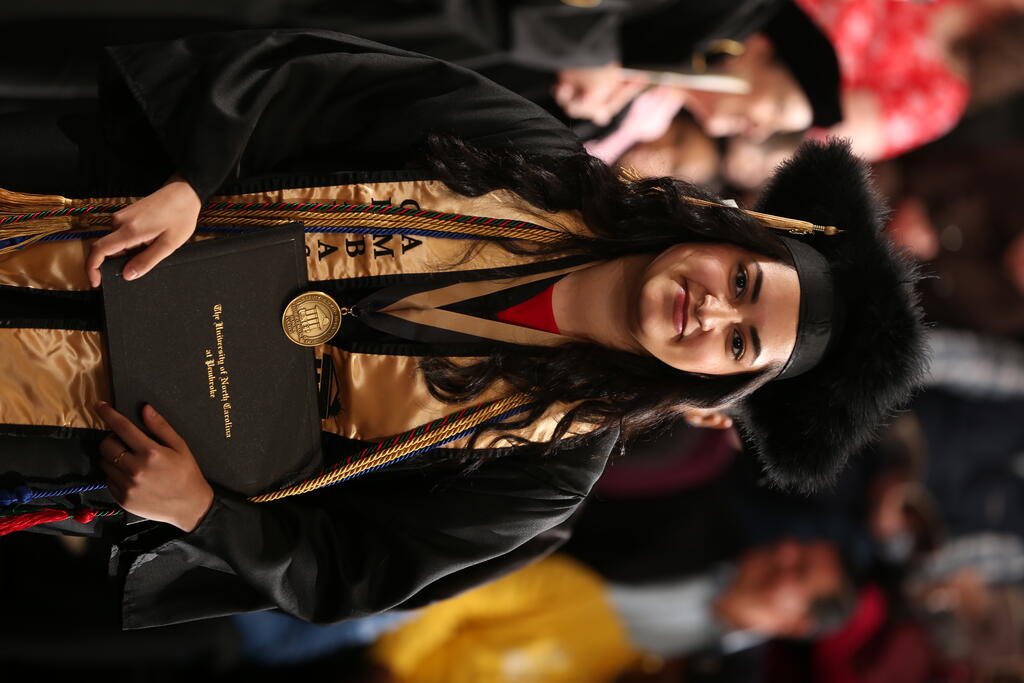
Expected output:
(158, 480)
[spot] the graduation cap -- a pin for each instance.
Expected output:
(859, 351)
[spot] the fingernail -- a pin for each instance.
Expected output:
(150, 410)
(130, 273)
(101, 404)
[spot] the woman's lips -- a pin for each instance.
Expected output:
(680, 314)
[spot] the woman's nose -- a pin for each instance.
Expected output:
(713, 312)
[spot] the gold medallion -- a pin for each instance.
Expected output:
(311, 318)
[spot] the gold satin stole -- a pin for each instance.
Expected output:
(54, 377)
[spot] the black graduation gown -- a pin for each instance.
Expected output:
(301, 106)
(295, 109)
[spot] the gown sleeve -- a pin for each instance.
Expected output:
(400, 537)
(236, 105)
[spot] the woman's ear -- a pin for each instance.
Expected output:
(708, 418)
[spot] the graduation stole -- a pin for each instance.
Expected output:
(29, 219)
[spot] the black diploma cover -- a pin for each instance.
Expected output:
(200, 338)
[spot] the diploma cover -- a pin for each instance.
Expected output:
(199, 337)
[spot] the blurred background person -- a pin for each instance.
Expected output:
(905, 74)
(951, 211)
(908, 69)
(545, 624)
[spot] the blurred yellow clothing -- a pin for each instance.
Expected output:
(550, 622)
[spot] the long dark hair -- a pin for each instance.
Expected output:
(625, 216)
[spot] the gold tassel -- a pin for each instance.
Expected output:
(792, 225)
(631, 175)
(34, 231)
(12, 202)
(23, 202)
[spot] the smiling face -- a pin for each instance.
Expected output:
(716, 309)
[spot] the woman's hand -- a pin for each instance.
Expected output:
(158, 480)
(596, 93)
(163, 220)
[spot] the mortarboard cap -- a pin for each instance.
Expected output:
(805, 424)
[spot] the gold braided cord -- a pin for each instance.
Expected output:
(14, 202)
(362, 220)
(399, 450)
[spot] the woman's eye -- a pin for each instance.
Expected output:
(738, 345)
(741, 280)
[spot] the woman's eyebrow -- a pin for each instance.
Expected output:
(758, 280)
(755, 340)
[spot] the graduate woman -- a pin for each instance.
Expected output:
(612, 304)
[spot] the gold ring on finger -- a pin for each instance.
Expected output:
(117, 458)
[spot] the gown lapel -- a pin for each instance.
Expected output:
(421, 316)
